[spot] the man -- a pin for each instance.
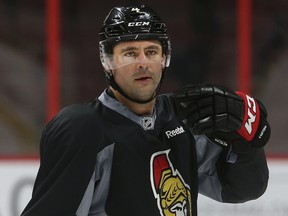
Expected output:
(131, 152)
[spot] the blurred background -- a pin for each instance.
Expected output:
(204, 36)
(49, 60)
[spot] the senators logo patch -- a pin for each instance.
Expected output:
(171, 192)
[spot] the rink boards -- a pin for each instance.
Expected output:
(18, 175)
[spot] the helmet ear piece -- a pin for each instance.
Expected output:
(164, 62)
(167, 60)
(106, 64)
(104, 57)
(167, 53)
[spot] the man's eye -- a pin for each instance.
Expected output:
(130, 54)
(151, 52)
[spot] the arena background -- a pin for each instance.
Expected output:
(49, 59)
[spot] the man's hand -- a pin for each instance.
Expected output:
(224, 116)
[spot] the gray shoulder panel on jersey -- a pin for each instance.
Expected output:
(118, 107)
(94, 199)
(207, 155)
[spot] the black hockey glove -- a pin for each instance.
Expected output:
(226, 117)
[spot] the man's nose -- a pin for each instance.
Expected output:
(142, 57)
(142, 61)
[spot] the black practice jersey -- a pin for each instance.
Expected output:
(102, 159)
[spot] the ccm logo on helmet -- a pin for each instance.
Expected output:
(138, 24)
(251, 116)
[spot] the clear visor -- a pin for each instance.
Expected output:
(128, 55)
(112, 62)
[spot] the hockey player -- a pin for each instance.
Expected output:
(133, 152)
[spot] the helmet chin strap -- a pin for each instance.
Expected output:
(114, 85)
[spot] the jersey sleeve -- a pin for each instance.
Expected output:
(243, 179)
(67, 162)
(246, 179)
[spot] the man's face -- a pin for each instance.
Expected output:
(138, 67)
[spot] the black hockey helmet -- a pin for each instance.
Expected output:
(132, 23)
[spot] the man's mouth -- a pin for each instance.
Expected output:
(143, 78)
